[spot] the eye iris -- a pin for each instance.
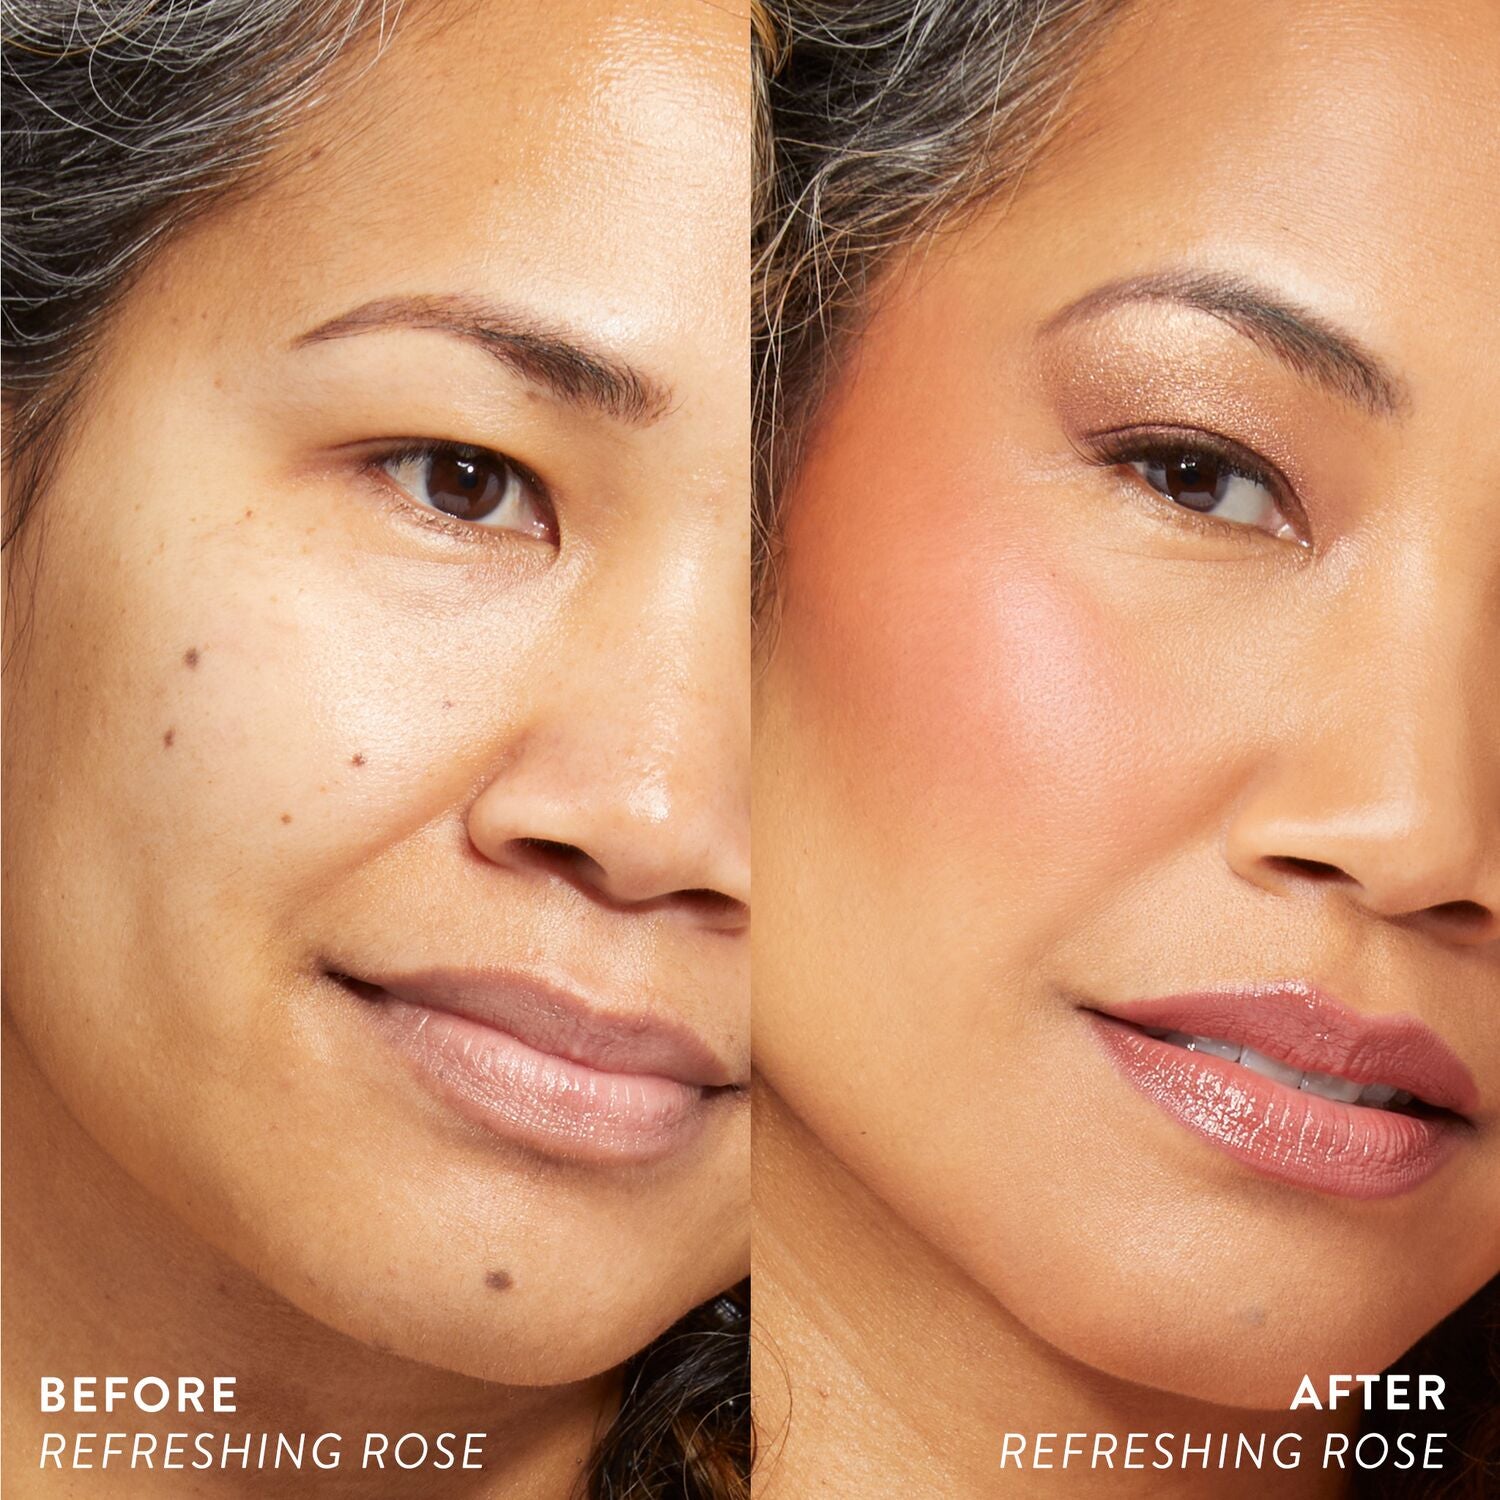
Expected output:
(1194, 480)
(469, 488)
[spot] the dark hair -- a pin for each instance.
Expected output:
(684, 1430)
(884, 121)
(1465, 1350)
(122, 122)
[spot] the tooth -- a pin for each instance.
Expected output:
(1268, 1067)
(1329, 1086)
(1229, 1051)
(1400, 1097)
(1178, 1038)
(1376, 1093)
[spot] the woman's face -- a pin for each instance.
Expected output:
(1141, 620)
(380, 812)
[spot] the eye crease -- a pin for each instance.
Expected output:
(473, 485)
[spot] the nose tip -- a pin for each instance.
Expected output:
(1413, 871)
(627, 841)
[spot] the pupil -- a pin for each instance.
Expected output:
(1194, 481)
(469, 488)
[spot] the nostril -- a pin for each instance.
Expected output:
(1465, 916)
(568, 858)
(1308, 869)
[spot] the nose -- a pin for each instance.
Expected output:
(1390, 796)
(628, 776)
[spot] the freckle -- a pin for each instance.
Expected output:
(1254, 1315)
(447, 703)
(248, 514)
(499, 1281)
(190, 657)
(168, 738)
(322, 788)
(286, 817)
(356, 760)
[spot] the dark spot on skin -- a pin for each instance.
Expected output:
(356, 760)
(286, 817)
(168, 738)
(248, 514)
(447, 703)
(499, 1281)
(190, 657)
(1254, 1316)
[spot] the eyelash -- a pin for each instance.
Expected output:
(374, 463)
(1132, 445)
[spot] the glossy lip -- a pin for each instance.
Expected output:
(546, 1067)
(1347, 1150)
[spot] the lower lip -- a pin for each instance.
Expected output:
(1298, 1138)
(557, 1106)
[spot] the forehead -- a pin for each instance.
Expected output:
(594, 156)
(1346, 150)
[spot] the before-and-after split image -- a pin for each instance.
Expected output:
(1006, 490)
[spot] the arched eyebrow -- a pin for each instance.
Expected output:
(1316, 349)
(548, 355)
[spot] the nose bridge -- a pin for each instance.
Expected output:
(1394, 781)
(635, 750)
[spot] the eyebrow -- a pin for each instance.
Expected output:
(1314, 348)
(545, 354)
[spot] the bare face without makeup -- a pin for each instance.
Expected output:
(377, 712)
(1140, 593)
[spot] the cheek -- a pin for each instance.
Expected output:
(986, 701)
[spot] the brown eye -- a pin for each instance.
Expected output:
(469, 487)
(1211, 485)
(474, 485)
(1195, 480)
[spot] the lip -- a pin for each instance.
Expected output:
(1347, 1150)
(545, 1066)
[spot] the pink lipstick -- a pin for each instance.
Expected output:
(547, 1067)
(1296, 1086)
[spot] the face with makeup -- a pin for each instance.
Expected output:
(377, 707)
(1141, 588)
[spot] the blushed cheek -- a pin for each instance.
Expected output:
(990, 701)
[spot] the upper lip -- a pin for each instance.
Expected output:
(1299, 1025)
(560, 1021)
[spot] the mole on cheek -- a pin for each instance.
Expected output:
(499, 1281)
(356, 760)
(286, 817)
(168, 738)
(190, 657)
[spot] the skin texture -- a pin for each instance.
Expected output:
(1030, 738)
(262, 720)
